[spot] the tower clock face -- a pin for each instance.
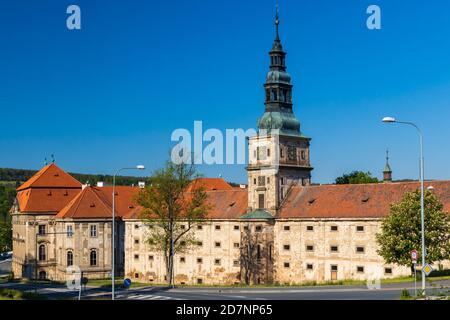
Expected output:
(292, 153)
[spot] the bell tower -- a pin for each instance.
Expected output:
(279, 154)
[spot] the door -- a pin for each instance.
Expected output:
(261, 203)
(334, 271)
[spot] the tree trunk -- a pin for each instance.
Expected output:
(171, 254)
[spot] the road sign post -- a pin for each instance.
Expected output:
(414, 257)
(127, 283)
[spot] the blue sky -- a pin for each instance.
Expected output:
(111, 94)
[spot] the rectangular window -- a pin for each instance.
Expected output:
(287, 247)
(261, 201)
(217, 244)
(309, 266)
(281, 153)
(388, 270)
(41, 229)
(217, 262)
(136, 257)
(286, 228)
(199, 281)
(360, 269)
(136, 241)
(199, 260)
(69, 231)
(199, 227)
(360, 228)
(309, 248)
(236, 227)
(258, 228)
(136, 226)
(182, 226)
(309, 228)
(286, 264)
(334, 228)
(199, 243)
(236, 245)
(93, 230)
(236, 263)
(334, 268)
(182, 259)
(334, 248)
(359, 249)
(150, 258)
(217, 227)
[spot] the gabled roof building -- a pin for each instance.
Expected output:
(279, 229)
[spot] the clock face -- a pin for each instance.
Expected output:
(292, 153)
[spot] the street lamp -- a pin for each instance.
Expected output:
(422, 209)
(138, 167)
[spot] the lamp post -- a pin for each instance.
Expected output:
(422, 209)
(138, 167)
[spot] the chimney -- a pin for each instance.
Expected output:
(100, 184)
(141, 184)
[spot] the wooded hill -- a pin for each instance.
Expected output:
(18, 176)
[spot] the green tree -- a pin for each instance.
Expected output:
(356, 177)
(401, 230)
(7, 195)
(5, 236)
(172, 206)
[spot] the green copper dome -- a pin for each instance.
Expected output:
(283, 122)
(276, 76)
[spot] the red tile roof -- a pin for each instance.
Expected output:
(51, 176)
(353, 201)
(49, 190)
(45, 200)
(210, 184)
(224, 204)
(96, 202)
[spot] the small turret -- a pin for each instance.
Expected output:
(387, 172)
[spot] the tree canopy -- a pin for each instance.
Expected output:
(356, 177)
(401, 230)
(171, 208)
(7, 195)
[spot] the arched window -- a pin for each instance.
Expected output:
(42, 275)
(69, 258)
(42, 256)
(273, 95)
(93, 257)
(282, 95)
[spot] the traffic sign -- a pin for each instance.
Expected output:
(414, 255)
(127, 283)
(427, 269)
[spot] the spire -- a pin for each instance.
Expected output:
(277, 22)
(278, 102)
(277, 47)
(387, 172)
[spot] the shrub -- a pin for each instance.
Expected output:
(405, 295)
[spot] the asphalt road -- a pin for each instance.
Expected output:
(386, 292)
